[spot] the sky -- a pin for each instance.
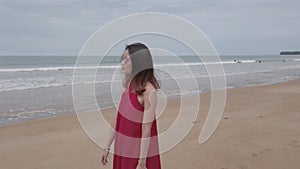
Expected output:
(61, 27)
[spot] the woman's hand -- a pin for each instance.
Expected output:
(141, 167)
(104, 159)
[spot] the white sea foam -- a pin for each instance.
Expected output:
(237, 75)
(31, 69)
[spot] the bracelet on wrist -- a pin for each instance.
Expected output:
(142, 162)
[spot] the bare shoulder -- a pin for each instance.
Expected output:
(149, 96)
(149, 88)
(123, 90)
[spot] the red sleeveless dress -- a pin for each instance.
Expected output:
(129, 133)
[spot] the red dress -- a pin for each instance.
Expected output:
(129, 133)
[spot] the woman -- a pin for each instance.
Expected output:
(136, 142)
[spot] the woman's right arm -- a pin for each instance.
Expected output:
(111, 136)
(109, 141)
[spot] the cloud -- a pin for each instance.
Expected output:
(62, 26)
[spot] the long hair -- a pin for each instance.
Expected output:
(142, 68)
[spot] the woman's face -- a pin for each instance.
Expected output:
(126, 63)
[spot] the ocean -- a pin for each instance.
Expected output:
(35, 87)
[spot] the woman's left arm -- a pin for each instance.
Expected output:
(150, 102)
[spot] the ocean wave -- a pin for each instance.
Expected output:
(54, 68)
(36, 83)
(31, 69)
(58, 81)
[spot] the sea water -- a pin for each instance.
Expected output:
(35, 87)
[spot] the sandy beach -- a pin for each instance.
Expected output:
(260, 129)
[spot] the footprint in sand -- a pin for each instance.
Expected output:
(243, 166)
(294, 143)
(261, 152)
(255, 155)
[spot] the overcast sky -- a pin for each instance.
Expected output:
(61, 27)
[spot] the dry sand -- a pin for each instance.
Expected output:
(260, 129)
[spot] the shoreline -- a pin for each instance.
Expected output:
(171, 98)
(258, 130)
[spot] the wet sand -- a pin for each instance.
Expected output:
(260, 128)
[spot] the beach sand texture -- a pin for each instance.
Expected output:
(260, 129)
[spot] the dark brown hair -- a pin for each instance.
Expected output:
(142, 68)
